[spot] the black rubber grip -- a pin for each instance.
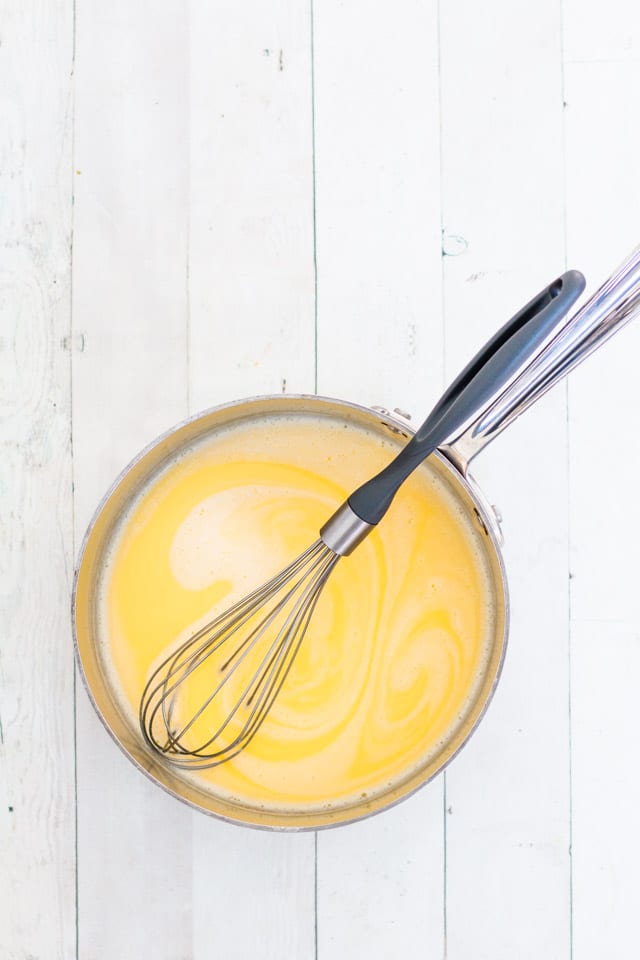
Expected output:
(517, 342)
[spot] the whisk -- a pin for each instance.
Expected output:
(189, 712)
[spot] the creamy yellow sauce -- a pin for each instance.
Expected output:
(398, 642)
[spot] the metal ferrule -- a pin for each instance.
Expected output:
(344, 530)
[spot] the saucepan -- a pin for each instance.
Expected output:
(568, 342)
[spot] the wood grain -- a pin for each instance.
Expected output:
(251, 269)
(252, 331)
(508, 829)
(129, 384)
(603, 212)
(381, 882)
(37, 802)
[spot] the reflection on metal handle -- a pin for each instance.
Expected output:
(611, 307)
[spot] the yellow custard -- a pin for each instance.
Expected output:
(399, 641)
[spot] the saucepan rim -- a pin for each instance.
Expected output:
(355, 812)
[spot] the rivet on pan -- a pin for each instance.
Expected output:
(390, 427)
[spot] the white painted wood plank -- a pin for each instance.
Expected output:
(606, 789)
(251, 331)
(601, 34)
(380, 883)
(508, 829)
(130, 255)
(253, 893)
(603, 216)
(603, 212)
(605, 459)
(129, 383)
(378, 203)
(37, 842)
(251, 249)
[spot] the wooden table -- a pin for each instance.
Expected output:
(208, 200)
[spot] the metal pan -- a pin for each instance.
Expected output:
(613, 305)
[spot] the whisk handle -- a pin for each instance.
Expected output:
(495, 366)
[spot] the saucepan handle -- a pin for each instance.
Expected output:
(611, 307)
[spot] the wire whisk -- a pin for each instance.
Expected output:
(208, 699)
(275, 616)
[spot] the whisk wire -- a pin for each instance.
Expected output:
(300, 615)
(229, 621)
(247, 646)
(269, 693)
(275, 653)
(309, 573)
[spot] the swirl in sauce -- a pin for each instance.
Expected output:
(399, 640)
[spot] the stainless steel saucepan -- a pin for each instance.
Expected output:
(612, 306)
